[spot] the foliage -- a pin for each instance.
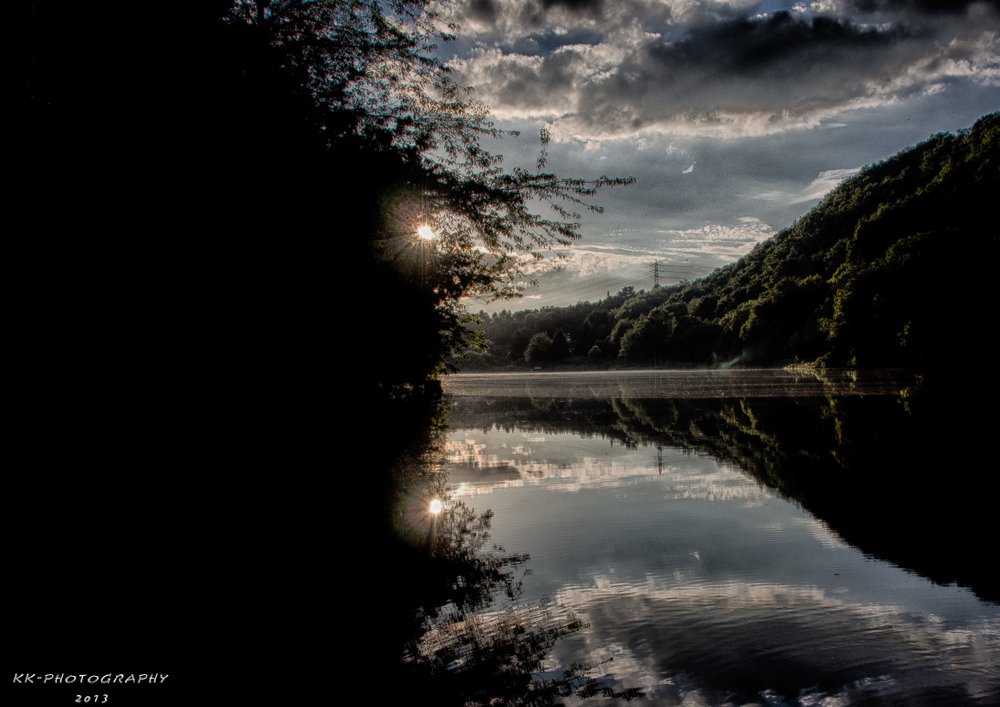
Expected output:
(539, 348)
(377, 83)
(378, 87)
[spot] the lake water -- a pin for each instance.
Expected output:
(725, 538)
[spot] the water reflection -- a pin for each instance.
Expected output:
(440, 601)
(469, 638)
(571, 463)
(708, 546)
(890, 476)
(729, 643)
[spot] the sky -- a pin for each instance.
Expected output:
(734, 117)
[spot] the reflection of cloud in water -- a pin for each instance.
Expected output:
(695, 644)
(478, 468)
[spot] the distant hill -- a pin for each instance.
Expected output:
(890, 269)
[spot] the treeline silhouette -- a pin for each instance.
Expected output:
(858, 282)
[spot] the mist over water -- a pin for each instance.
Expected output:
(695, 383)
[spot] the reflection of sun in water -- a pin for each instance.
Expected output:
(425, 232)
(435, 506)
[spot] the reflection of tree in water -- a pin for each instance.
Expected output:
(473, 642)
(891, 476)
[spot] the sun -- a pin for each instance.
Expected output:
(425, 232)
(435, 506)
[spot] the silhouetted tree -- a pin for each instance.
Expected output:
(380, 93)
(539, 349)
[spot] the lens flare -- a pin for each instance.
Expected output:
(435, 506)
(425, 232)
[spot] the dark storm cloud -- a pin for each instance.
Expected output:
(594, 8)
(747, 75)
(946, 7)
(507, 21)
(483, 10)
(775, 45)
(579, 5)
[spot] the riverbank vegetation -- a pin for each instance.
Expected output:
(859, 281)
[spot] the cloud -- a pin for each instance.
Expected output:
(681, 254)
(483, 462)
(510, 21)
(729, 242)
(584, 260)
(929, 7)
(726, 77)
(673, 653)
(821, 186)
(817, 188)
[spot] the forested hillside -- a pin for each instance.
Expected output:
(888, 270)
